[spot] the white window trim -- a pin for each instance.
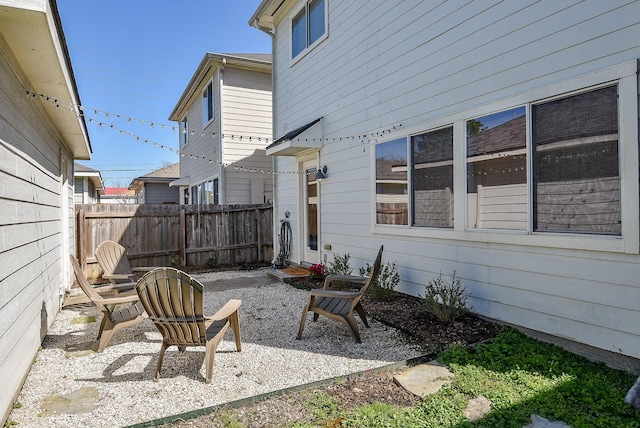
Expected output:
(213, 106)
(625, 76)
(306, 50)
(184, 132)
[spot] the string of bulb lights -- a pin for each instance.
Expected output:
(92, 115)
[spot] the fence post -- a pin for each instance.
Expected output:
(183, 238)
(81, 251)
(259, 232)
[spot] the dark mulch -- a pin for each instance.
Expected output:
(406, 313)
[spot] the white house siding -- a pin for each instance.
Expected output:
(246, 111)
(203, 146)
(32, 238)
(420, 63)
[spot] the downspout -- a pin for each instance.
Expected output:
(273, 132)
(222, 198)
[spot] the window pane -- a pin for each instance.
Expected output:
(497, 196)
(316, 20)
(207, 104)
(184, 132)
(432, 178)
(215, 192)
(391, 182)
(576, 167)
(299, 33)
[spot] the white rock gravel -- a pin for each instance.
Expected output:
(271, 359)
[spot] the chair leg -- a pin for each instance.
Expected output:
(210, 352)
(353, 325)
(362, 313)
(303, 319)
(105, 318)
(105, 335)
(234, 321)
(160, 357)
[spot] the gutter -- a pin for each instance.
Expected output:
(272, 34)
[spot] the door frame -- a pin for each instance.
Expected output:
(307, 167)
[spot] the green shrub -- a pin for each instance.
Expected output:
(446, 299)
(386, 283)
(340, 265)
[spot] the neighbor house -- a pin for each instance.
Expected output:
(153, 188)
(88, 186)
(225, 125)
(118, 195)
(495, 139)
(41, 134)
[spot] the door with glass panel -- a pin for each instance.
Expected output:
(310, 211)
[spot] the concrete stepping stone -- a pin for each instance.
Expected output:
(424, 379)
(82, 400)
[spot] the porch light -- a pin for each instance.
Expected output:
(322, 173)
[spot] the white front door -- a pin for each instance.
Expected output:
(310, 210)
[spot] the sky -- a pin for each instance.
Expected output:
(132, 60)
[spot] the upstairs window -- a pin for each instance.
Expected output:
(184, 132)
(307, 26)
(207, 105)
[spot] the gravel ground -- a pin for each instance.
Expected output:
(122, 375)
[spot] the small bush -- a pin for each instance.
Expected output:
(340, 265)
(386, 283)
(317, 270)
(212, 262)
(446, 299)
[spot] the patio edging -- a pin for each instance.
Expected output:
(262, 397)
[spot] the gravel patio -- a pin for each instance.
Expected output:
(71, 385)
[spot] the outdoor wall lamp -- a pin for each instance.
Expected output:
(322, 173)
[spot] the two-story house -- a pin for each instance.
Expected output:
(496, 139)
(225, 124)
(42, 132)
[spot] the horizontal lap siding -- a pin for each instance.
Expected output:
(31, 245)
(246, 101)
(411, 63)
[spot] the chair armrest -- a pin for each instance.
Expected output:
(143, 268)
(334, 293)
(119, 299)
(344, 278)
(121, 287)
(116, 276)
(225, 312)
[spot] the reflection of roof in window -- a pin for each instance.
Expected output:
(391, 169)
(507, 136)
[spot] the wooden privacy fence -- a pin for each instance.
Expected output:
(176, 235)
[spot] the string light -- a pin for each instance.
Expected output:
(364, 138)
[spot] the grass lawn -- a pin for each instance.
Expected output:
(520, 376)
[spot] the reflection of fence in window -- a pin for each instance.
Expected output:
(392, 213)
(433, 208)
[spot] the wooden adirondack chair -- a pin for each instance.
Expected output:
(339, 305)
(115, 316)
(112, 258)
(174, 302)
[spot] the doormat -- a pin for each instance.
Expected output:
(295, 271)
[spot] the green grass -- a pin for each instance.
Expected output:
(520, 376)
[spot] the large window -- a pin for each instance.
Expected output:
(307, 26)
(546, 166)
(207, 105)
(432, 178)
(576, 169)
(497, 171)
(391, 182)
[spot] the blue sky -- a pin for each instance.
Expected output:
(134, 58)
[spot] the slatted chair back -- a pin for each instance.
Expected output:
(174, 302)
